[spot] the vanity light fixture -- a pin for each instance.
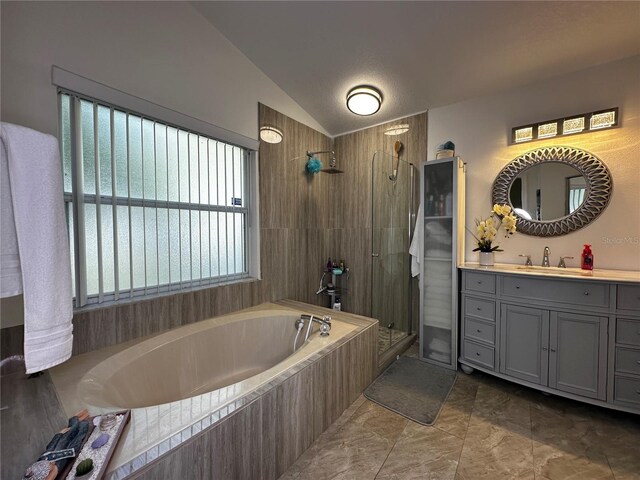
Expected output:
(397, 129)
(364, 100)
(270, 134)
(586, 122)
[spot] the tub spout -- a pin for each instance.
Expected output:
(324, 322)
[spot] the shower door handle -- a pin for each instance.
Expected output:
(375, 255)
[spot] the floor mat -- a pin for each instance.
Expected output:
(412, 388)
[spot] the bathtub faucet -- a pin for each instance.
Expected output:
(324, 322)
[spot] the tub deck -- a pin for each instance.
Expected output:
(165, 429)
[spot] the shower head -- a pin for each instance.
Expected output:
(332, 161)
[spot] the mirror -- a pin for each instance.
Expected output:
(554, 190)
(547, 191)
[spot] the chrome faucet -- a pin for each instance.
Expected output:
(561, 263)
(324, 322)
(528, 262)
(545, 257)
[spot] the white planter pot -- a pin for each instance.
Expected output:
(486, 258)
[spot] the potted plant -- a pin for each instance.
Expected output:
(487, 230)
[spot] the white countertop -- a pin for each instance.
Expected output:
(597, 274)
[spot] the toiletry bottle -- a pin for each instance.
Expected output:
(337, 305)
(587, 258)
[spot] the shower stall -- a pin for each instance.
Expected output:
(394, 293)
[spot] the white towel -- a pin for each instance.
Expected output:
(32, 161)
(416, 242)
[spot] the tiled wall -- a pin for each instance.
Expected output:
(351, 231)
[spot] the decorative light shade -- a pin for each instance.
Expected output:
(364, 100)
(397, 129)
(270, 134)
(586, 122)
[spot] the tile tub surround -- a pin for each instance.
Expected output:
(293, 408)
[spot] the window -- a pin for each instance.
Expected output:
(151, 207)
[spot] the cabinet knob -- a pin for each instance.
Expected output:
(478, 354)
(544, 349)
(552, 350)
(586, 293)
(478, 308)
(479, 331)
(479, 282)
(517, 287)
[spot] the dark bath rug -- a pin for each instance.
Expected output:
(412, 388)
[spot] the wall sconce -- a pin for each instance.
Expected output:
(397, 129)
(583, 123)
(364, 100)
(270, 134)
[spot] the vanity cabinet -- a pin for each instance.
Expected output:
(573, 337)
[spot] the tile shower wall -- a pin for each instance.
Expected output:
(350, 232)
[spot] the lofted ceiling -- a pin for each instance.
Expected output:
(421, 55)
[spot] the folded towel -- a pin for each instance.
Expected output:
(32, 161)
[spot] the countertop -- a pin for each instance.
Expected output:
(597, 274)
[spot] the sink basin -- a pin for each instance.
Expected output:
(555, 270)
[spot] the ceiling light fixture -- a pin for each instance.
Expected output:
(573, 124)
(397, 129)
(364, 100)
(270, 134)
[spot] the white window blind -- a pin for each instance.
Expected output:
(151, 207)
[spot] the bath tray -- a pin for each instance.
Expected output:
(100, 456)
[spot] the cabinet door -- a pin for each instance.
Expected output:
(578, 354)
(524, 343)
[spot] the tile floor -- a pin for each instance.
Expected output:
(488, 429)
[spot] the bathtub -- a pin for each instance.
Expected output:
(181, 382)
(236, 352)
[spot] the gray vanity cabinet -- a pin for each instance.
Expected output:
(524, 343)
(574, 337)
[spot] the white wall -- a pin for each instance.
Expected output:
(480, 129)
(164, 52)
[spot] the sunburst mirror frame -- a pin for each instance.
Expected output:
(597, 196)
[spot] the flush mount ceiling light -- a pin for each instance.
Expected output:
(586, 122)
(270, 134)
(397, 129)
(364, 100)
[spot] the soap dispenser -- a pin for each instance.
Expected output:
(587, 258)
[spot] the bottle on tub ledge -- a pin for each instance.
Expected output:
(337, 305)
(586, 262)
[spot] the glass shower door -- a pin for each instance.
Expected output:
(391, 267)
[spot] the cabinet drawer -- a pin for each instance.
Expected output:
(627, 390)
(480, 282)
(481, 308)
(628, 331)
(627, 360)
(476, 353)
(578, 293)
(628, 297)
(477, 330)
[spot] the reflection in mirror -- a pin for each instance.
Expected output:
(547, 191)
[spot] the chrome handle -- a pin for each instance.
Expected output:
(375, 254)
(544, 349)
(552, 350)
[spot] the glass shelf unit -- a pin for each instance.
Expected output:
(442, 196)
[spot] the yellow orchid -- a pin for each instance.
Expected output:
(487, 229)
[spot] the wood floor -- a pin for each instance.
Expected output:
(488, 429)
